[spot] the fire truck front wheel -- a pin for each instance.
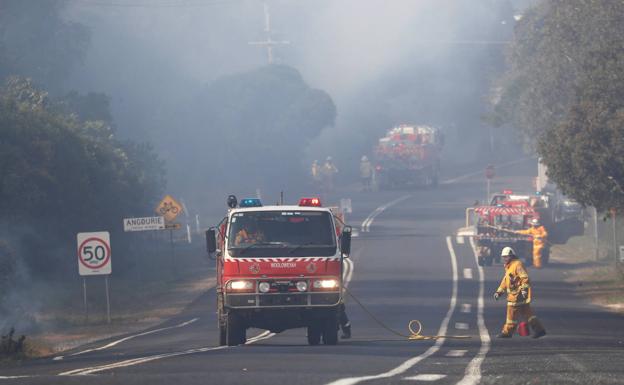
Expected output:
(314, 334)
(235, 330)
(330, 331)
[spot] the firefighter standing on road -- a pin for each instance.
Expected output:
(366, 173)
(516, 284)
(539, 235)
(315, 172)
(328, 172)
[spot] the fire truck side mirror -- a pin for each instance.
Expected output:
(211, 241)
(345, 241)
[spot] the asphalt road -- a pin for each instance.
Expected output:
(407, 264)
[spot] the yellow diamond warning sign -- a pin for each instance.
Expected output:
(169, 208)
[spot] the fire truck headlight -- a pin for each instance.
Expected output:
(302, 285)
(240, 285)
(264, 287)
(326, 284)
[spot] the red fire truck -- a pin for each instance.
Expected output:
(408, 155)
(495, 227)
(278, 268)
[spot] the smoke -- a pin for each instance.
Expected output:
(383, 63)
(19, 305)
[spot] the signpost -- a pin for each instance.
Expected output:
(615, 249)
(490, 172)
(170, 209)
(144, 224)
(94, 258)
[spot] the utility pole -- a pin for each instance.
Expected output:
(596, 244)
(269, 43)
(613, 212)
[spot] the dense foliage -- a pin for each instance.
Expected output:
(60, 175)
(564, 91)
(254, 127)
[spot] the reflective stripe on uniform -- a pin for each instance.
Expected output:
(518, 303)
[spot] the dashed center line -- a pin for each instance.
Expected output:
(461, 326)
(466, 308)
(468, 273)
(460, 240)
(405, 366)
(456, 353)
(426, 377)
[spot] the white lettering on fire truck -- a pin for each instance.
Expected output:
(283, 265)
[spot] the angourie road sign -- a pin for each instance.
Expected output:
(94, 253)
(144, 224)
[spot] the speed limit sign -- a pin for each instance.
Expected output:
(94, 253)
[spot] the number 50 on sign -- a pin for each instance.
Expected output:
(94, 253)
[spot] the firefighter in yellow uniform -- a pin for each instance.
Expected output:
(315, 172)
(517, 286)
(539, 235)
(249, 234)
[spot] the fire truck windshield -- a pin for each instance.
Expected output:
(281, 233)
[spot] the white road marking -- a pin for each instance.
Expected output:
(405, 366)
(262, 336)
(141, 360)
(137, 361)
(117, 342)
(459, 240)
(14, 377)
(426, 377)
(472, 375)
(461, 326)
(365, 228)
(456, 353)
(466, 308)
(468, 273)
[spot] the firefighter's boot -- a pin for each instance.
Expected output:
(346, 331)
(537, 327)
(503, 335)
(510, 326)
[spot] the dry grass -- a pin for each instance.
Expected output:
(599, 281)
(147, 305)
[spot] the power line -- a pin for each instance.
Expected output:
(154, 4)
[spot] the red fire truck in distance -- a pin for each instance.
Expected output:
(279, 267)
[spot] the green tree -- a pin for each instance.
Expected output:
(552, 43)
(563, 90)
(585, 152)
(60, 175)
(254, 127)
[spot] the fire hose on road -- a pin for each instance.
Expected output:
(414, 326)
